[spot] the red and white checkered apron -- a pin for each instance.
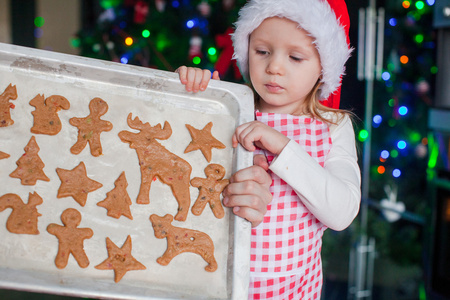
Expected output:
(285, 247)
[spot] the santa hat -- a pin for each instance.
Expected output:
(328, 23)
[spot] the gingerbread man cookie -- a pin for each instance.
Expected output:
(117, 201)
(209, 190)
(76, 184)
(46, 120)
(203, 140)
(89, 128)
(71, 239)
(24, 217)
(10, 93)
(181, 240)
(30, 167)
(120, 259)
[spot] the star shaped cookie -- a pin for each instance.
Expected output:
(120, 259)
(4, 155)
(76, 184)
(203, 140)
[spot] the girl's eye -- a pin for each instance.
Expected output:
(295, 58)
(262, 52)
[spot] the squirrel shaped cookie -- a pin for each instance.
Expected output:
(46, 120)
(24, 217)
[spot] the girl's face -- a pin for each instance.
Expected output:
(284, 65)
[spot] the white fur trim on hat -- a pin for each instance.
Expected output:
(314, 16)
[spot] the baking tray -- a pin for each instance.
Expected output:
(27, 261)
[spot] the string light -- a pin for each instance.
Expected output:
(39, 21)
(402, 110)
(406, 4)
(145, 33)
(212, 51)
(128, 41)
(401, 144)
(381, 169)
(420, 5)
(196, 60)
(404, 59)
(190, 24)
(396, 173)
(363, 135)
(384, 154)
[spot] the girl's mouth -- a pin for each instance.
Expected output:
(273, 88)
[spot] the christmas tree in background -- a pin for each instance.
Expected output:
(164, 34)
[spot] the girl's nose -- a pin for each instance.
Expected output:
(275, 65)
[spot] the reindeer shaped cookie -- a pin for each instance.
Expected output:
(10, 93)
(46, 120)
(156, 161)
(24, 217)
(181, 240)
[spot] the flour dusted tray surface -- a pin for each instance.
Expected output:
(27, 261)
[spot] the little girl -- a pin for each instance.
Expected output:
(292, 52)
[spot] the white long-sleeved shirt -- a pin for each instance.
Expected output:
(332, 193)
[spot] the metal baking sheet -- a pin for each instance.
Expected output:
(27, 261)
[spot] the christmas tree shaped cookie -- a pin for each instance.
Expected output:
(30, 166)
(117, 201)
(76, 184)
(46, 120)
(24, 217)
(120, 259)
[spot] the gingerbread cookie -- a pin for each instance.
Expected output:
(30, 166)
(24, 217)
(10, 93)
(76, 184)
(156, 161)
(181, 240)
(89, 128)
(71, 239)
(46, 120)
(4, 155)
(117, 201)
(203, 140)
(120, 259)
(210, 189)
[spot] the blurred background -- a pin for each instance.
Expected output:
(397, 84)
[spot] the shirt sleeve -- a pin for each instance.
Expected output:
(333, 192)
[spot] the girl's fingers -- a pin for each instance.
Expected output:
(205, 77)
(261, 161)
(182, 72)
(215, 75)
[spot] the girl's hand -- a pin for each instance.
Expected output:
(248, 192)
(256, 134)
(195, 79)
